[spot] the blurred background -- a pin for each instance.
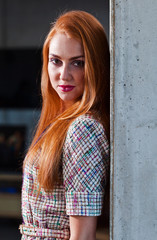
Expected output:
(23, 28)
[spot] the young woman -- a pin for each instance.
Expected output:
(66, 167)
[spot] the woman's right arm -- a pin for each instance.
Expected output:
(83, 228)
(85, 166)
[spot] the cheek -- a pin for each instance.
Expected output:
(80, 77)
(51, 78)
(82, 80)
(52, 74)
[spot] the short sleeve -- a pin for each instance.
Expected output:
(85, 166)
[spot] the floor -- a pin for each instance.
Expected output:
(9, 230)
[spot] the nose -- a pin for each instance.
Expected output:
(64, 72)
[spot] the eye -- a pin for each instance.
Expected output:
(79, 63)
(55, 61)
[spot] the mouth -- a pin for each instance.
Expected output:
(66, 88)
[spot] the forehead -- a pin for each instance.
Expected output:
(62, 44)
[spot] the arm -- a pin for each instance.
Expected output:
(85, 164)
(83, 227)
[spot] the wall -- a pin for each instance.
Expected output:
(133, 120)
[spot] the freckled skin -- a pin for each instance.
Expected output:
(66, 68)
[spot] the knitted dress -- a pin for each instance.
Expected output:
(85, 163)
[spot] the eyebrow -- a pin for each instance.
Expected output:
(73, 58)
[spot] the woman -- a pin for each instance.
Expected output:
(65, 169)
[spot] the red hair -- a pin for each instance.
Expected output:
(96, 97)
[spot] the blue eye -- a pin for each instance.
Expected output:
(79, 63)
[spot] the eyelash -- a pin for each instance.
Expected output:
(76, 63)
(80, 63)
(55, 61)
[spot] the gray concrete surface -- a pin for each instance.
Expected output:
(133, 120)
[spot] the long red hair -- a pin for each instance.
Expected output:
(96, 97)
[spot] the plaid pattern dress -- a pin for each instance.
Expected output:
(85, 163)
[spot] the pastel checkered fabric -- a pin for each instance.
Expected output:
(85, 162)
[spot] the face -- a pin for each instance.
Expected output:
(66, 68)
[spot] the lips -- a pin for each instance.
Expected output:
(66, 88)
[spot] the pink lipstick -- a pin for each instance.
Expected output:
(66, 88)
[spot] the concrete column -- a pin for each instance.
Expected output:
(133, 45)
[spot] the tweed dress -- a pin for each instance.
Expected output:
(85, 163)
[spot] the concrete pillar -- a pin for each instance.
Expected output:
(133, 45)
